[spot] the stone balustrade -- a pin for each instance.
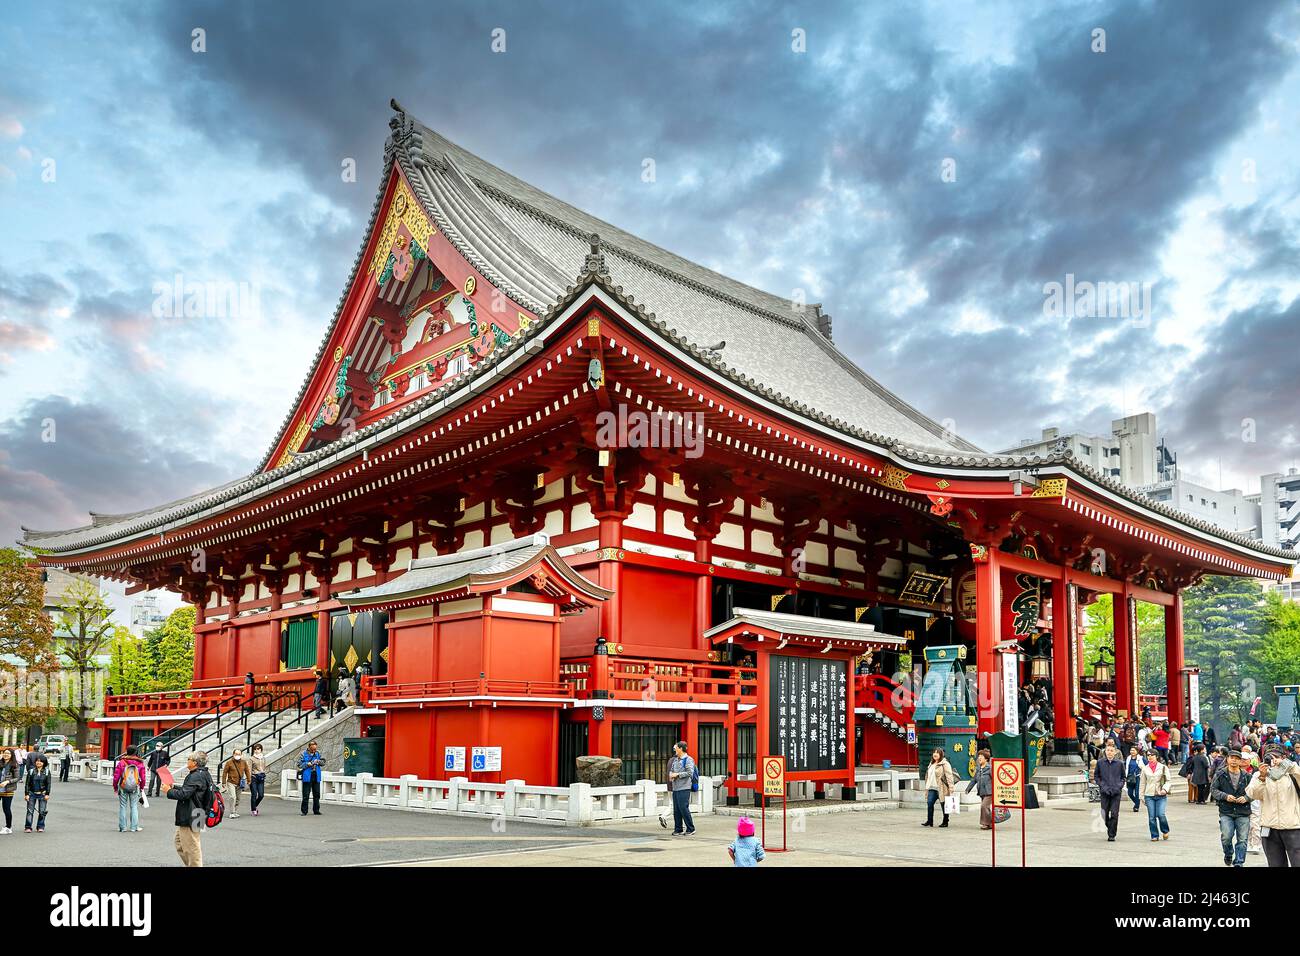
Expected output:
(578, 804)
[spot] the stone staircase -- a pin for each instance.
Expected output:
(276, 731)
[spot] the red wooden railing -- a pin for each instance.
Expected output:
(482, 687)
(202, 695)
(638, 678)
(1100, 705)
(169, 703)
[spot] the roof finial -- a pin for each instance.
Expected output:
(595, 261)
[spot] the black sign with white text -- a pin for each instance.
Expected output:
(808, 723)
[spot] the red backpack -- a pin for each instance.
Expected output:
(216, 811)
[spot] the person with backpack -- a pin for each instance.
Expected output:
(746, 850)
(982, 784)
(234, 779)
(311, 765)
(683, 777)
(158, 759)
(8, 788)
(37, 789)
(128, 782)
(195, 799)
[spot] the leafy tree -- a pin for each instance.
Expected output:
(130, 671)
(175, 650)
(1223, 626)
(82, 637)
(26, 635)
(1099, 632)
(1280, 657)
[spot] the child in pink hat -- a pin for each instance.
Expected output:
(746, 850)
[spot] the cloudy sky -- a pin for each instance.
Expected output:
(920, 169)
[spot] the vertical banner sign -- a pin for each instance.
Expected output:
(1133, 652)
(1010, 693)
(1072, 639)
(808, 723)
(1194, 696)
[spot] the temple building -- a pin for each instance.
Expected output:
(566, 493)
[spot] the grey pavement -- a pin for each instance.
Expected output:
(82, 831)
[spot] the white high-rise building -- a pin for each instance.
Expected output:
(1128, 453)
(1279, 509)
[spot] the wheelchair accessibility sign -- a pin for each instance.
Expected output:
(454, 759)
(485, 760)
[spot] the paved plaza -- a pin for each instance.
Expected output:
(83, 831)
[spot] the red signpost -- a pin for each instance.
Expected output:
(774, 785)
(1008, 792)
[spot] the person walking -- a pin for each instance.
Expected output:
(1133, 777)
(1198, 776)
(1155, 791)
(37, 789)
(1229, 791)
(310, 769)
(1109, 776)
(1277, 788)
(1175, 742)
(1211, 738)
(158, 759)
(20, 754)
(319, 693)
(193, 800)
(8, 788)
(128, 782)
(1161, 738)
(940, 779)
(682, 775)
(234, 778)
(982, 784)
(65, 762)
(746, 850)
(256, 778)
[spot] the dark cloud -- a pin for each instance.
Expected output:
(61, 458)
(1239, 400)
(818, 171)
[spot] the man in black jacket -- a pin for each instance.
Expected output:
(1229, 791)
(193, 798)
(1109, 777)
(157, 759)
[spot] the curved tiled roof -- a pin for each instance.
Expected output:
(527, 242)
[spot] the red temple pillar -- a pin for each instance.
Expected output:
(1125, 676)
(703, 592)
(1176, 680)
(1065, 668)
(610, 573)
(988, 632)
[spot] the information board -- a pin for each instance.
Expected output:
(808, 712)
(454, 759)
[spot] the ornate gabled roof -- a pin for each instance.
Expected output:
(528, 242)
(428, 580)
(803, 626)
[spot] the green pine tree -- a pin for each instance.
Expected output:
(1223, 626)
(175, 650)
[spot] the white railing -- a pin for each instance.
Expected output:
(578, 804)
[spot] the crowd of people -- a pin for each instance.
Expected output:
(1254, 780)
